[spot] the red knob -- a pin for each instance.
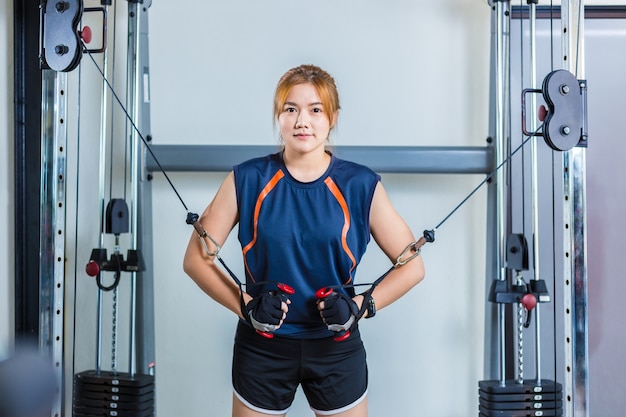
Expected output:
(86, 34)
(542, 113)
(92, 268)
(529, 301)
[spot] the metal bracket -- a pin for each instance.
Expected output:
(104, 30)
(502, 292)
(565, 120)
(61, 40)
(60, 44)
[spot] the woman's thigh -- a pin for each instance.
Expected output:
(241, 410)
(360, 410)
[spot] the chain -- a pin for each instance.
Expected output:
(520, 343)
(114, 333)
(521, 310)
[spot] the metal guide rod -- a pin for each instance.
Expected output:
(534, 182)
(142, 335)
(133, 95)
(104, 134)
(501, 85)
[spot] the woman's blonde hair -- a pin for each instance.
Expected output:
(320, 79)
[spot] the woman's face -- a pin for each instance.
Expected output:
(303, 121)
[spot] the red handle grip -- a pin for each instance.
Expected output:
(285, 290)
(323, 292)
(266, 335)
(326, 292)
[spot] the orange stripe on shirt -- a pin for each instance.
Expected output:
(257, 210)
(346, 222)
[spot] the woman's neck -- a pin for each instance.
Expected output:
(306, 167)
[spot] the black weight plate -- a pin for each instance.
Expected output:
(520, 405)
(520, 413)
(108, 389)
(481, 414)
(97, 412)
(120, 379)
(113, 405)
(541, 396)
(513, 387)
(109, 396)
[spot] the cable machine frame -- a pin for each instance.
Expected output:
(459, 160)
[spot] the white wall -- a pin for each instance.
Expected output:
(6, 180)
(409, 73)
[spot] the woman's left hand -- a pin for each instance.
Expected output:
(338, 311)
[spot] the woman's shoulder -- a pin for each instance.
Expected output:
(271, 159)
(351, 169)
(261, 164)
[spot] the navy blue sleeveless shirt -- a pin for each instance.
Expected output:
(307, 235)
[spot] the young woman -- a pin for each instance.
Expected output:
(305, 218)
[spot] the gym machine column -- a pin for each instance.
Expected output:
(99, 392)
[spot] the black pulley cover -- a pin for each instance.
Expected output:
(564, 126)
(517, 252)
(62, 48)
(117, 217)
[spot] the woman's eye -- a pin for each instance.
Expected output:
(290, 110)
(317, 110)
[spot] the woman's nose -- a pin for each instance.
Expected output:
(301, 121)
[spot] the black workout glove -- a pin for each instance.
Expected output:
(339, 312)
(265, 311)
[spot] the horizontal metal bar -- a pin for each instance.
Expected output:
(382, 159)
(554, 12)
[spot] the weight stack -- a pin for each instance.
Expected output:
(113, 394)
(514, 399)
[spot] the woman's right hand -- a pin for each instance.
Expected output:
(267, 311)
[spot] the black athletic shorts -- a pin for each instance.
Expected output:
(267, 372)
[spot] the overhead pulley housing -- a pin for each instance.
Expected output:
(61, 40)
(565, 119)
